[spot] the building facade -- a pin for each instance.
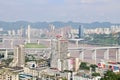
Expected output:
(19, 56)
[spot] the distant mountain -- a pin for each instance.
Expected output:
(57, 24)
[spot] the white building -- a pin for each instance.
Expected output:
(19, 57)
(10, 73)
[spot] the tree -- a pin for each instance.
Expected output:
(93, 66)
(103, 39)
(1, 56)
(64, 78)
(118, 38)
(109, 75)
(26, 59)
(84, 66)
(95, 74)
(7, 61)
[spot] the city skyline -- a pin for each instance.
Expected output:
(60, 10)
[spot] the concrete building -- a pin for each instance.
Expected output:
(13, 32)
(74, 33)
(9, 32)
(59, 53)
(72, 64)
(113, 29)
(10, 73)
(62, 50)
(28, 33)
(19, 57)
(80, 33)
(31, 71)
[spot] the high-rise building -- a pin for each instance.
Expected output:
(51, 31)
(62, 48)
(53, 56)
(51, 27)
(19, 57)
(13, 32)
(21, 32)
(28, 33)
(60, 52)
(80, 34)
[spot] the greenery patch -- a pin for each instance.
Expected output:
(34, 45)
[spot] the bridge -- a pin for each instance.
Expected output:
(94, 50)
(10, 43)
(80, 49)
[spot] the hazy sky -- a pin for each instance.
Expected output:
(60, 10)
